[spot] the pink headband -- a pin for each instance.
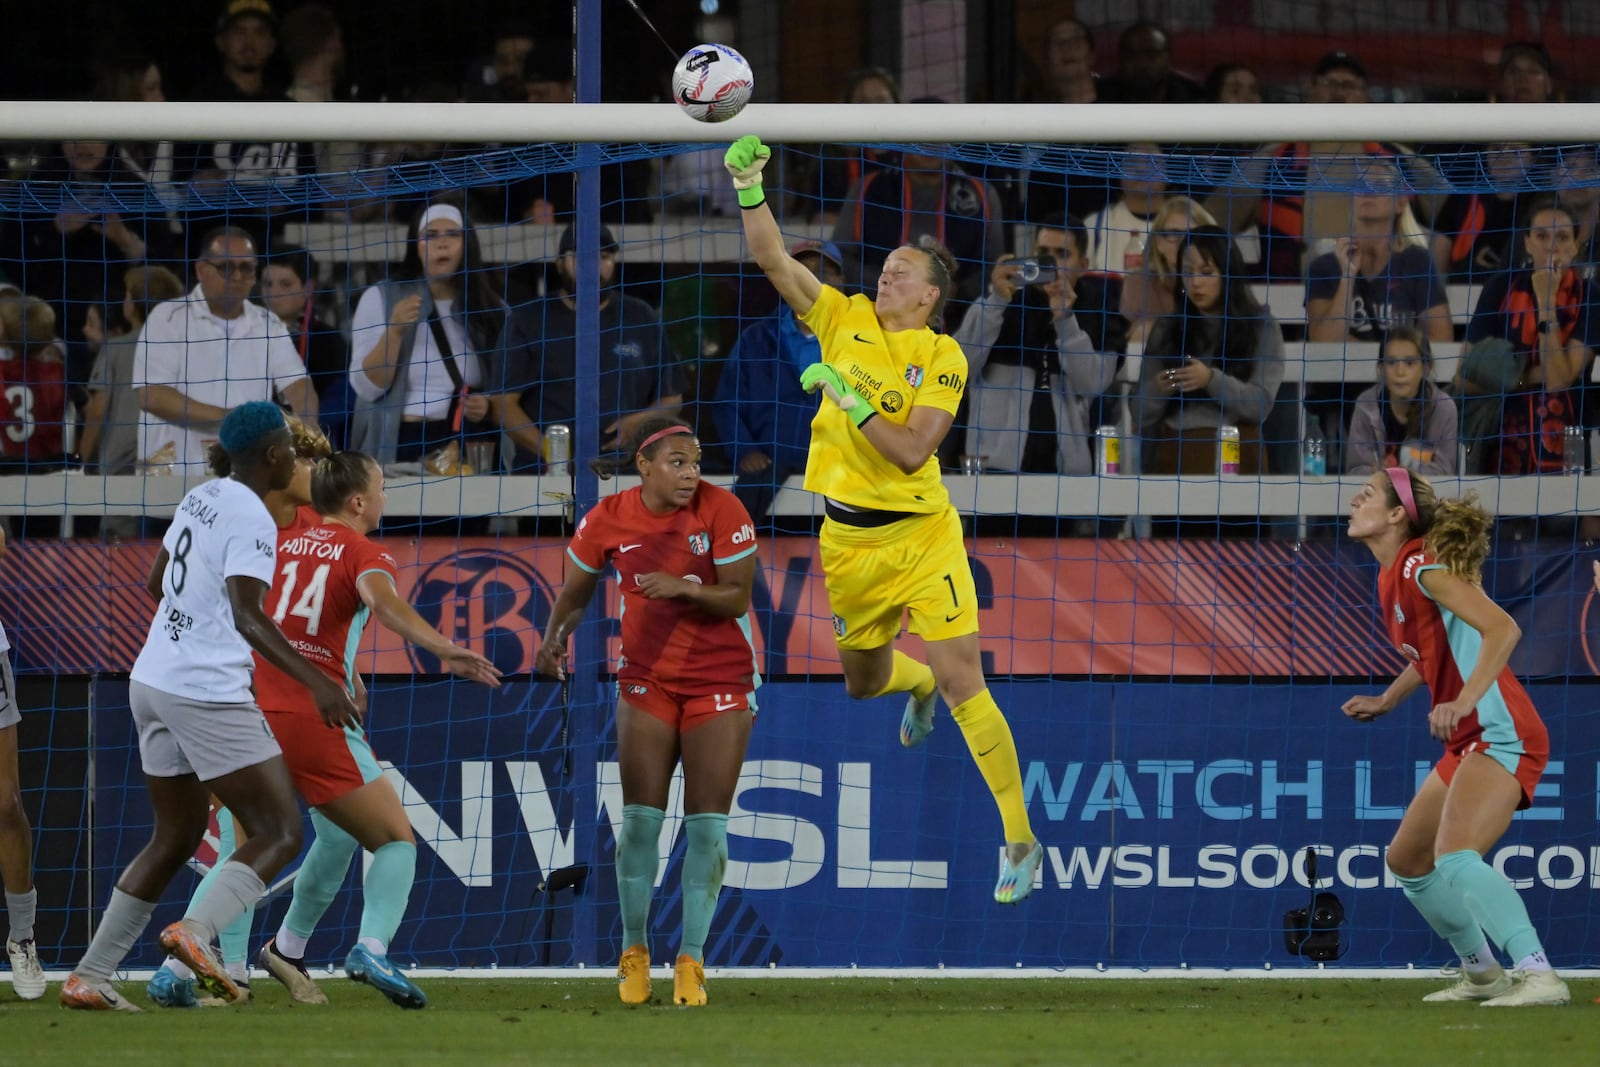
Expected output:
(659, 434)
(1400, 478)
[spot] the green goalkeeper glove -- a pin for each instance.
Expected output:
(821, 376)
(744, 161)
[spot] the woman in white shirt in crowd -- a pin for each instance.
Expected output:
(421, 343)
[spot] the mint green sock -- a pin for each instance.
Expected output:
(1445, 909)
(1491, 901)
(387, 890)
(235, 937)
(704, 864)
(321, 874)
(638, 857)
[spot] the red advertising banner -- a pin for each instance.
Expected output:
(1069, 607)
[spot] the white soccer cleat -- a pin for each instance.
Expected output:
(27, 977)
(292, 973)
(1470, 987)
(1533, 988)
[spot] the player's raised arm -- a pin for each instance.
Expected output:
(378, 593)
(245, 595)
(796, 284)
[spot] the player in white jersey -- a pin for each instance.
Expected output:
(16, 838)
(200, 731)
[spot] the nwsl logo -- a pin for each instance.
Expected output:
(486, 600)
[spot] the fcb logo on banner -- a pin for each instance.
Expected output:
(700, 543)
(913, 375)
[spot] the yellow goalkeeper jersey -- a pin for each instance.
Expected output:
(894, 372)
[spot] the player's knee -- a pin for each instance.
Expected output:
(172, 845)
(293, 838)
(281, 841)
(861, 688)
(1408, 863)
(12, 815)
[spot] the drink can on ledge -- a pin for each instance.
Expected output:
(557, 448)
(1572, 449)
(1108, 451)
(1227, 450)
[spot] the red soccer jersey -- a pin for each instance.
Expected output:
(1444, 650)
(315, 603)
(683, 648)
(305, 517)
(34, 410)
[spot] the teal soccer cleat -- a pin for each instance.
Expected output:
(170, 991)
(385, 977)
(1016, 880)
(917, 723)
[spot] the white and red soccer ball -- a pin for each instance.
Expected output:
(712, 83)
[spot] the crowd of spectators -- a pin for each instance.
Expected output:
(132, 327)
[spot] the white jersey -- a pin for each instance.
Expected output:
(221, 529)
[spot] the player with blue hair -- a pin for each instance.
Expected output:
(172, 986)
(200, 731)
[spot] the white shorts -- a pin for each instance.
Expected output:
(179, 736)
(10, 714)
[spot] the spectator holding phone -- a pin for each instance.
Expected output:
(1217, 361)
(1033, 370)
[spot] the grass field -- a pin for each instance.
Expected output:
(770, 1022)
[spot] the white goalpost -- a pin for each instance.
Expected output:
(781, 123)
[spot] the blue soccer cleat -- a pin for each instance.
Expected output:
(917, 723)
(170, 991)
(1016, 880)
(377, 972)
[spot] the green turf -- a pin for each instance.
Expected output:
(770, 1022)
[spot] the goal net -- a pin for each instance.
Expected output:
(1154, 491)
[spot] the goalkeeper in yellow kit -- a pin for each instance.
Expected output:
(891, 541)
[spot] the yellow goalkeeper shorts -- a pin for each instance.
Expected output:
(917, 565)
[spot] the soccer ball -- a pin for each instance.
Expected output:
(712, 83)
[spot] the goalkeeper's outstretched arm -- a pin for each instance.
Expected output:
(797, 285)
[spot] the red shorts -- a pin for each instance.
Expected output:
(679, 711)
(1527, 766)
(325, 763)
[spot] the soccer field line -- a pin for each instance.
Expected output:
(1084, 973)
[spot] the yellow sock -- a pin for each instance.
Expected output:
(989, 739)
(909, 676)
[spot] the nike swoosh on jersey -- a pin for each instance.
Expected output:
(728, 706)
(865, 340)
(628, 548)
(953, 618)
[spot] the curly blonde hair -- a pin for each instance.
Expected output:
(309, 443)
(1455, 532)
(1172, 209)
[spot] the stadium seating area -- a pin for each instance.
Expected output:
(338, 217)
